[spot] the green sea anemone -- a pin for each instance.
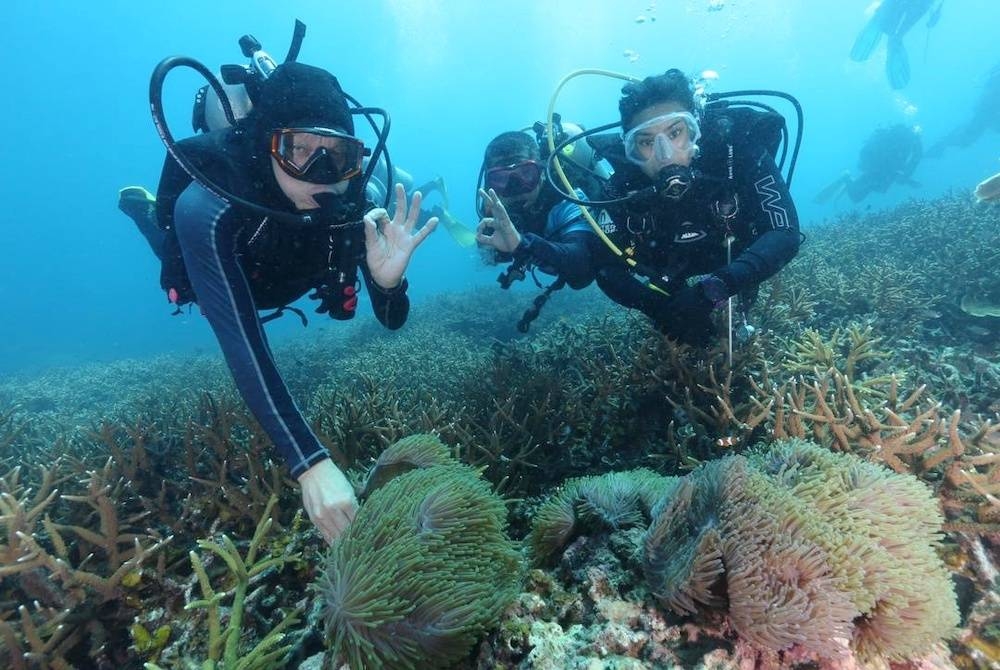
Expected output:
(423, 571)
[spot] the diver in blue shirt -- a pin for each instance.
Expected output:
(527, 223)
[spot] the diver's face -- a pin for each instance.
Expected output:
(515, 178)
(661, 135)
(301, 192)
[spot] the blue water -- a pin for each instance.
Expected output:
(78, 284)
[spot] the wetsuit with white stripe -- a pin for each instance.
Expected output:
(235, 263)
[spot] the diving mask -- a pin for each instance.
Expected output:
(515, 179)
(663, 140)
(318, 155)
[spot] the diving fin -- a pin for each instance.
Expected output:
(436, 184)
(897, 64)
(833, 191)
(867, 40)
(464, 236)
(138, 203)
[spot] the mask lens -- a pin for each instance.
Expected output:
(317, 155)
(662, 139)
(516, 179)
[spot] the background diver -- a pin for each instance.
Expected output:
(889, 156)
(985, 117)
(462, 235)
(893, 18)
(526, 222)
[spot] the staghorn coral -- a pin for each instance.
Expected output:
(584, 393)
(226, 646)
(77, 575)
(422, 572)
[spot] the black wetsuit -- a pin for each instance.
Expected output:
(678, 240)
(985, 116)
(234, 262)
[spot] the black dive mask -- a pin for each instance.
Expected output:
(318, 155)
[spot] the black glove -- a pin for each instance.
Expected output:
(686, 316)
(173, 276)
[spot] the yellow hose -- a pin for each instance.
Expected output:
(550, 136)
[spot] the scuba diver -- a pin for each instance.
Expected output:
(893, 18)
(254, 216)
(985, 116)
(698, 206)
(527, 223)
(889, 156)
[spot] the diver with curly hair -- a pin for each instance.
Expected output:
(700, 209)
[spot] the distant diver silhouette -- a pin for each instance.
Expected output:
(893, 18)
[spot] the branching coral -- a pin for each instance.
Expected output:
(422, 572)
(68, 581)
(224, 648)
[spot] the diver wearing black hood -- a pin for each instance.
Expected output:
(704, 221)
(295, 152)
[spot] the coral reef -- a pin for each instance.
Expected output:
(111, 474)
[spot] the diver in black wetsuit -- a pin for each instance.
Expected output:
(893, 18)
(889, 156)
(294, 152)
(716, 219)
(985, 116)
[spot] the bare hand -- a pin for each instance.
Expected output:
(328, 499)
(390, 242)
(504, 237)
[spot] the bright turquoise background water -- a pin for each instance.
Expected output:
(77, 282)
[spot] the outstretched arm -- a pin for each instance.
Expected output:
(206, 234)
